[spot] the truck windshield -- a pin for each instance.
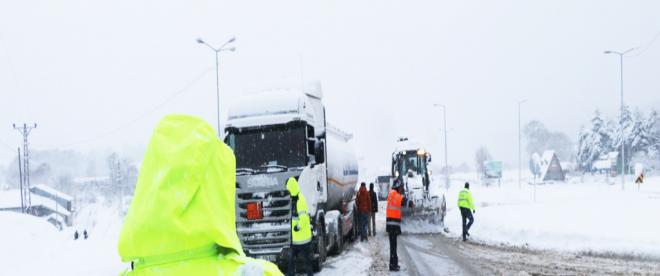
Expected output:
(272, 146)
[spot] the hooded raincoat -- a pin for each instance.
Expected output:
(300, 222)
(181, 220)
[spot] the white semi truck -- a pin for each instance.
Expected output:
(282, 133)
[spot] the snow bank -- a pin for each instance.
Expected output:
(32, 246)
(355, 260)
(574, 216)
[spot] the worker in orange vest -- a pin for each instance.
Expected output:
(395, 201)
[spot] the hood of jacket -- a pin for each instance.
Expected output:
(292, 186)
(185, 193)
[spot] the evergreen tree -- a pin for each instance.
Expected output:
(583, 149)
(594, 142)
(652, 132)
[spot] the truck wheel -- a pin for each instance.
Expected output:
(443, 209)
(354, 228)
(339, 245)
(320, 248)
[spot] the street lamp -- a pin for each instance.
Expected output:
(519, 142)
(217, 71)
(444, 116)
(623, 153)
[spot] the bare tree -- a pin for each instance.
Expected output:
(482, 155)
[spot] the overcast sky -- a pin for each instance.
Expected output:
(99, 74)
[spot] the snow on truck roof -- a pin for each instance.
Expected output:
(274, 106)
(275, 101)
(270, 102)
(281, 105)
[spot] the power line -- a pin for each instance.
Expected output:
(141, 116)
(648, 46)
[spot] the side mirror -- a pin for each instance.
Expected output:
(319, 151)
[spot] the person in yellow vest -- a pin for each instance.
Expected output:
(181, 220)
(466, 205)
(395, 201)
(301, 229)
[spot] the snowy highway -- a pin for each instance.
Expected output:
(426, 249)
(427, 255)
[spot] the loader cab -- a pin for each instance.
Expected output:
(411, 163)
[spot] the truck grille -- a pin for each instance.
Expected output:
(272, 232)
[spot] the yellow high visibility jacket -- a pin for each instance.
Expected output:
(465, 199)
(301, 219)
(181, 220)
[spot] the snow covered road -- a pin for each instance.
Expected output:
(423, 257)
(439, 254)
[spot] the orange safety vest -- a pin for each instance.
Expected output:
(394, 200)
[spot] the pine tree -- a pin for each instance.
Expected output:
(638, 140)
(652, 130)
(593, 142)
(583, 149)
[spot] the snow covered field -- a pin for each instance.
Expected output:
(32, 246)
(590, 216)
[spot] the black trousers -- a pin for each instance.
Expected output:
(394, 258)
(306, 251)
(466, 214)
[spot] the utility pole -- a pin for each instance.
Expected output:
(25, 188)
(519, 147)
(623, 138)
(444, 117)
(20, 180)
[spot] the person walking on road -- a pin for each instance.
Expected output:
(466, 205)
(181, 220)
(301, 229)
(395, 201)
(364, 208)
(374, 210)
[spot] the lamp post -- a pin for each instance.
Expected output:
(519, 147)
(444, 116)
(217, 71)
(623, 150)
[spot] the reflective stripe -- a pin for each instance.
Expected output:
(301, 213)
(201, 252)
(394, 208)
(396, 223)
(301, 242)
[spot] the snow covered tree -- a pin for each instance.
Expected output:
(594, 142)
(583, 161)
(482, 155)
(540, 139)
(651, 131)
(536, 135)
